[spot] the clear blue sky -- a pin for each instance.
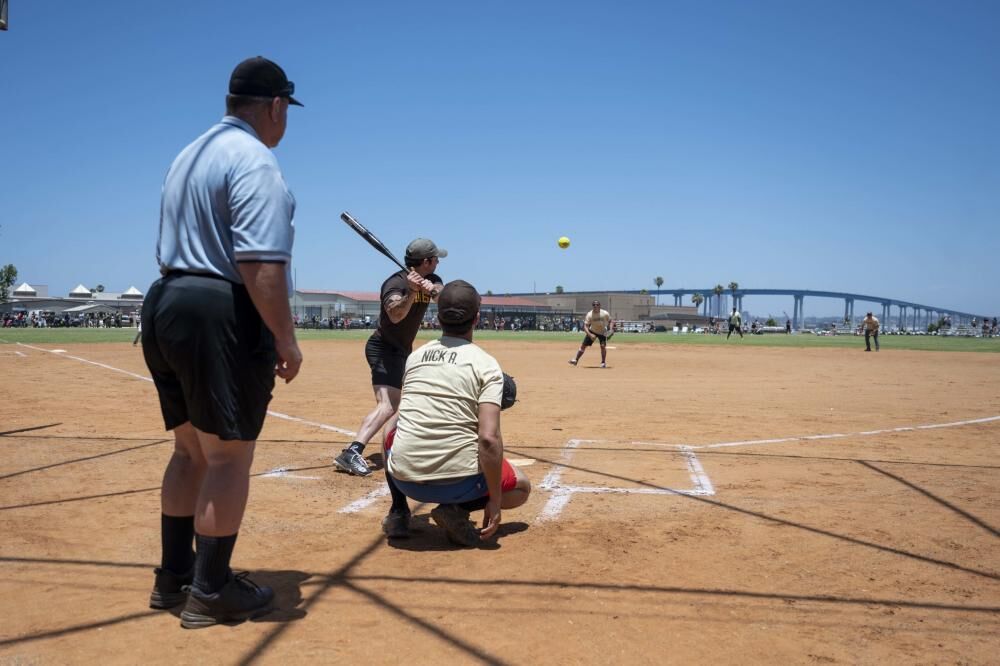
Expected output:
(846, 146)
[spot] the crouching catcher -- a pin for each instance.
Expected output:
(447, 447)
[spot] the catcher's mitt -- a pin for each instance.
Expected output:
(509, 392)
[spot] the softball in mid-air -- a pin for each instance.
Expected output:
(563, 242)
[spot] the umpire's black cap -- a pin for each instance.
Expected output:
(259, 77)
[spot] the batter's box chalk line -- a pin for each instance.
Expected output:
(562, 493)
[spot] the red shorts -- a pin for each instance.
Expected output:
(508, 477)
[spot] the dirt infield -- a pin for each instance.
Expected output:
(684, 510)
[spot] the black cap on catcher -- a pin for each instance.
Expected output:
(259, 77)
(458, 303)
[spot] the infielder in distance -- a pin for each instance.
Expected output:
(735, 323)
(870, 326)
(447, 448)
(405, 299)
(597, 325)
(216, 328)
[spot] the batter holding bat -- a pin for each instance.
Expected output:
(406, 294)
(597, 325)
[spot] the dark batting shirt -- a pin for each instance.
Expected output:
(402, 334)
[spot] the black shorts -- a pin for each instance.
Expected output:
(386, 361)
(587, 341)
(210, 354)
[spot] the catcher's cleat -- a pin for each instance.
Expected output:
(396, 525)
(239, 599)
(352, 462)
(456, 524)
(169, 589)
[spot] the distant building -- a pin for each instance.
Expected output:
(80, 300)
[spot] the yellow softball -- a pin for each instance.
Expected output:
(563, 242)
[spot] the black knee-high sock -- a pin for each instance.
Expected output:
(399, 503)
(176, 540)
(476, 504)
(211, 564)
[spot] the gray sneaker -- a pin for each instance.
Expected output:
(455, 522)
(396, 525)
(239, 599)
(352, 462)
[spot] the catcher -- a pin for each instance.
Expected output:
(446, 447)
(597, 325)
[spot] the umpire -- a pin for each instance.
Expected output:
(216, 329)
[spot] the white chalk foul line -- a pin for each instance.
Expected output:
(60, 352)
(866, 433)
(277, 415)
(323, 426)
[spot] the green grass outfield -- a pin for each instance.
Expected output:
(571, 340)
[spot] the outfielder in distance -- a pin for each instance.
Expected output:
(405, 298)
(735, 323)
(597, 325)
(447, 448)
(870, 326)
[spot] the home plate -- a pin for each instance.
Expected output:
(522, 462)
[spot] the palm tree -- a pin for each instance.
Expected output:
(717, 290)
(697, 299)
(733, 286)
(99, 289)
(658, 281)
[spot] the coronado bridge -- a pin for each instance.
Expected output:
(908, 315)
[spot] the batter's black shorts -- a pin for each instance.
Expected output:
(210, 354)
(386, 361)
(600, 338)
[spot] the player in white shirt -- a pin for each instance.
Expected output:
(597, 325)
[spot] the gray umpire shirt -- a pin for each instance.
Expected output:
(224, 200)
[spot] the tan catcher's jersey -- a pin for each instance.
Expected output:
(437, 436)
(599, 324)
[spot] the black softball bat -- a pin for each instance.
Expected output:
(371, 238)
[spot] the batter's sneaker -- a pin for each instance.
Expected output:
(455, 522)
(169, 589)
(396, 525)
(604, 365)
(352, 462)
(572, 361)
(239, 599)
